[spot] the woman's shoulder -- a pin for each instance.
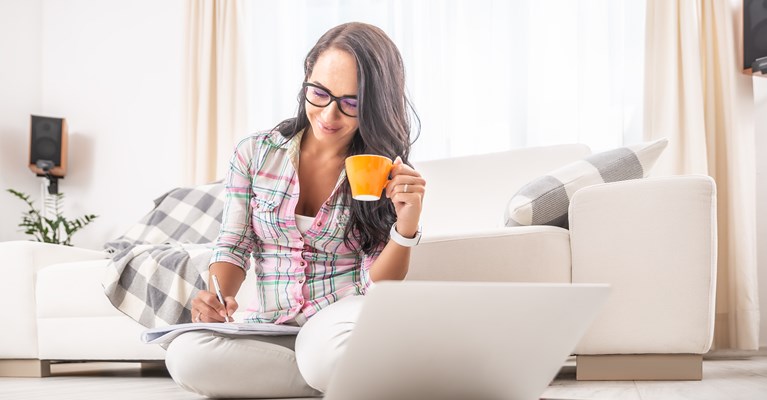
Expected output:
(257, 141)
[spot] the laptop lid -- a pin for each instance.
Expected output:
(463, 340)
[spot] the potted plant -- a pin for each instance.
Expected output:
(57, 230)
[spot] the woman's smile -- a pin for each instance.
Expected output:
(329, 128)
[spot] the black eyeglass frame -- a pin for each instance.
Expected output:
(332, 98)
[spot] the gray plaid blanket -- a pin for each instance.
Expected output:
(158, 266)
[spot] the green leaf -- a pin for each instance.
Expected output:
(57, 230)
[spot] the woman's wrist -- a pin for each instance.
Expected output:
(406, 230)
(403, 240)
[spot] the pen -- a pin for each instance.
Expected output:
(219, 295)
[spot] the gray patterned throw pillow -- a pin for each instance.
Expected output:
(545, 200)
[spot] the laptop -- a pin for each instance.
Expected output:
(463, 340)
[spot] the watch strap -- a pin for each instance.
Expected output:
(404, 241)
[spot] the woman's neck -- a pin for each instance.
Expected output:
(312, 147)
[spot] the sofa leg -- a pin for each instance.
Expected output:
(25, 368)
(153, 368)
(639, 367)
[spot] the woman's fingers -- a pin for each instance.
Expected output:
(406, 184)
(231, 305)
(207, 308)
(401, 175)
(406, 190)
(400, 168)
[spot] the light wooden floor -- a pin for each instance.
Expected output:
(723, 379)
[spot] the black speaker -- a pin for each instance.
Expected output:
(48, 146)
(754, 31)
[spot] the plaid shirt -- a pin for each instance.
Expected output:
(295, 272)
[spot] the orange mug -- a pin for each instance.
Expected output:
(368, 175)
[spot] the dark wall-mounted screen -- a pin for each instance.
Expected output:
(754, 31)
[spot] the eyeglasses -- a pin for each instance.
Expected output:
(320, 97)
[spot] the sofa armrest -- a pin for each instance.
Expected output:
(514, 254)
(21, 261)
(654, 241)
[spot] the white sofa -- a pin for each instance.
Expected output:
(653, 240)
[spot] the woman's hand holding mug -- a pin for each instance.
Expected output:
(368, 177)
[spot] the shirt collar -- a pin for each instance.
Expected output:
(292, 145)
(275, 139)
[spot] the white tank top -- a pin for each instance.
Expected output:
(304, 223)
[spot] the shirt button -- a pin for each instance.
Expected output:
(301, 281)
(301, 302)
(319, 223)
(303, 263)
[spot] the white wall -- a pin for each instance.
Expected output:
(113, 69)
(760, 111)
(20, 96)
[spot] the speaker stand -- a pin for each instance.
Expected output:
(44, 197)
(49, 185)
(53, 184)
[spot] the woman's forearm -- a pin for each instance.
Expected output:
(391, 264)
(229, 276)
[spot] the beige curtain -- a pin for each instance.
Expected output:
(214, 83)
(698, 97)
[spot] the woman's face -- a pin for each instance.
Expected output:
(336, 72)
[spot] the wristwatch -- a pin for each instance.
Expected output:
(403, 241)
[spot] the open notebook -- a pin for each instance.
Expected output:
(164, 334)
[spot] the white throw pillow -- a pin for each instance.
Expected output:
(545, 200)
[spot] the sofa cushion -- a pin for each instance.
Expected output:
(519, 254)
(545, 200)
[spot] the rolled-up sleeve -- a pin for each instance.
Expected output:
(236, 238)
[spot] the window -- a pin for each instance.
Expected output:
(484, 75)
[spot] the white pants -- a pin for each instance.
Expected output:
(219, 365)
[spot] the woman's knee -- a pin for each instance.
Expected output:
(322, 341)
(184, 359)
(215, 365)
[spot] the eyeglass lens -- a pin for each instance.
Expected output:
(322, 98)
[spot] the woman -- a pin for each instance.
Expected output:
(317, 251)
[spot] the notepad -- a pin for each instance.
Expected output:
(164, 334)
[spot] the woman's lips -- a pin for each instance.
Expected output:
(327, 127)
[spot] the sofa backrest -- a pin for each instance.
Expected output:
(471, 193)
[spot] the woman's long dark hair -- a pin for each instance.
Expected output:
(384, 119)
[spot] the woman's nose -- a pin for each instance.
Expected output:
(331, 111)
